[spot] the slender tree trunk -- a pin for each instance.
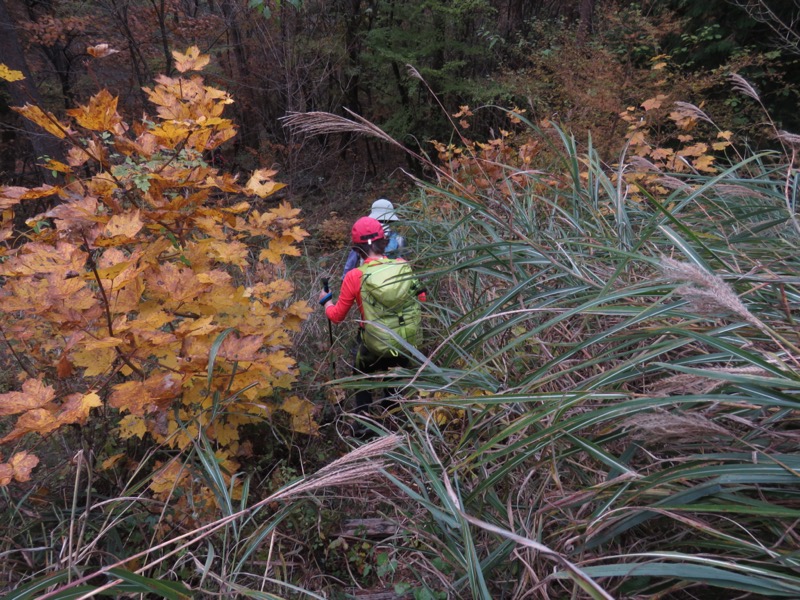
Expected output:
(120, 13)
(585, 20)
(160, 10)
(248, 130)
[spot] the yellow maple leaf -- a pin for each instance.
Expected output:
(653, 103)
(225, 433)
(112, 460)
(58, 166)
(278, 248)
(130, 426)
(279, 361)
(46, 120)
(100, 114)
(191, 61)
(102, 185)
(661, 153)
(238, 208)
(168, 477)
(10, 74)
(76, 407)
(295, 405)
(171, 133)
(274, 291)
(231, 252)
(302, 413)
(142, 397)
(698, 149)
(131, 396)
(126, 225)
(96, 361)
(22, 463)
(34, 394)
(38, 420)
(261, 183)
(244, 348)
(637, 139)
(197, 327)
(704, 164)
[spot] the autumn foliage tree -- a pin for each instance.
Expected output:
(152, 289)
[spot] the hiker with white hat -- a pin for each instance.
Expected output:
(382, 211)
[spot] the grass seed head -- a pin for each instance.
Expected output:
(707, 293)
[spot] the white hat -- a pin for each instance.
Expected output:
(383, 210)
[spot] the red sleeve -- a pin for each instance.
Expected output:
(349, 294)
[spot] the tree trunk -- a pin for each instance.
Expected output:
(25, 91)
(585, 20)
(239, 71)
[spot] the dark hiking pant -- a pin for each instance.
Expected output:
(366, 363)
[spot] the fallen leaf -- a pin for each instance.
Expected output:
(22, 463)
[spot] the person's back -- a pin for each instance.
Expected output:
(389, 293)
(382, 211)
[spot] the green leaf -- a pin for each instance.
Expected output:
(171, 590)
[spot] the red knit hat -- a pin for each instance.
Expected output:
(366, 230)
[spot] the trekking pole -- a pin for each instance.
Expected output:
(327, 289)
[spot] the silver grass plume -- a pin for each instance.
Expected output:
(663, 426)
(323, 123)
(354, 468)
(740, 84)
(690, 383)
(707, 293)
(673, 183)
(792, 139)
(642, 164)
(738, 191)
(690, 109)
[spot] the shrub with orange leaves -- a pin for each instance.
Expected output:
(664, 136)
(498, 164)
(130, 286)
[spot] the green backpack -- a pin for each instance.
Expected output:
(389, 296)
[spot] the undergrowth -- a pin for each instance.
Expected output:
(605, 406)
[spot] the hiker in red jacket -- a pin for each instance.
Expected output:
(386, 294)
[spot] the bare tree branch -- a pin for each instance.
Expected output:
(787, 30)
